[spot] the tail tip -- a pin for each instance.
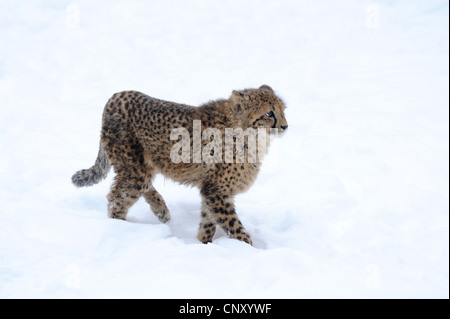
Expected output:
(81, 178)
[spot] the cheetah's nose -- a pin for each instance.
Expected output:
(284, 127)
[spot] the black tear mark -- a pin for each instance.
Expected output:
(275, 121)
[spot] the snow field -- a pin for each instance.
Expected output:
(352, 202)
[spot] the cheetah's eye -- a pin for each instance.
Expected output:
(270, 114)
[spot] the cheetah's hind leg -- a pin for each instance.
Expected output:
(124, 193)
(157, 204)
(130, 183)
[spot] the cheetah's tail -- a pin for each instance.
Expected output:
(93, 175)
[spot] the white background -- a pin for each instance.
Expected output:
(352, 202)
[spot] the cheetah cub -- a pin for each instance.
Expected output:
(137, 140)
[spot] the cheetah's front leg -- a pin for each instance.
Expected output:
(207, 227)
(220, 210)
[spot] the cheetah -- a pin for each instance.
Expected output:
(136, 141)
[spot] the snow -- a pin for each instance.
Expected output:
(352, 202)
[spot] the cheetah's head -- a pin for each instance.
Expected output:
(260, 108)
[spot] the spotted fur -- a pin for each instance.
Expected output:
(135, 141)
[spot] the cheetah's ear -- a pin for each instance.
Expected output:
(266, 87)
(239, 100)
(238, 97)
